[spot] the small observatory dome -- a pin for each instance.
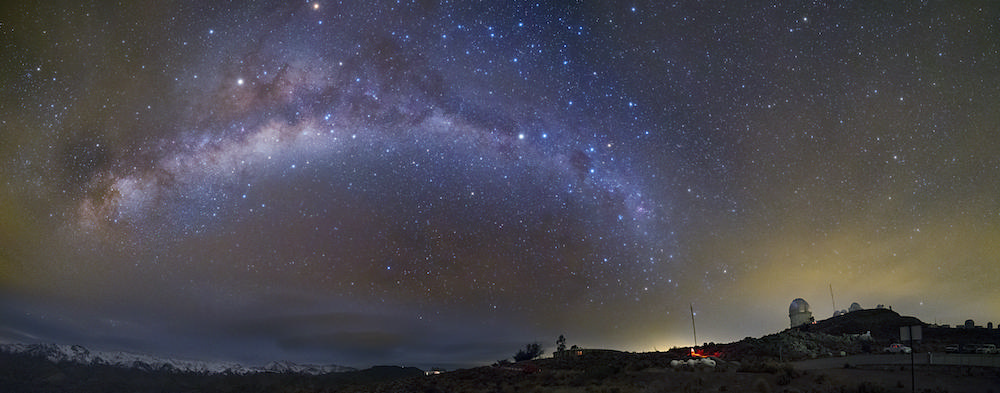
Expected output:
(798, 305)
(799, 313)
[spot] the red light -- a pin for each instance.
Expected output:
(702, 354)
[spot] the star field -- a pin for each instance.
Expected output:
(439, 183)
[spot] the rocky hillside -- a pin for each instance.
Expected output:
(791, 345)
(852, 333)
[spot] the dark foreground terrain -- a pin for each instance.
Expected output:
(625, 373)
(830, 356)
(599, 371)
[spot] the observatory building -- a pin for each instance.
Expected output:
(799, 313)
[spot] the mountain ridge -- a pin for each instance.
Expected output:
(81, 355)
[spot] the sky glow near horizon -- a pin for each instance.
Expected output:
(439, 184)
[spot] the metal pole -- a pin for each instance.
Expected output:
(693, 330)
(913, 376)
(833, 302)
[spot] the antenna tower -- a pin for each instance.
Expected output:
(693, 330)
(831, 299)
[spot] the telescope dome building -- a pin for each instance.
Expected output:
(799, 313)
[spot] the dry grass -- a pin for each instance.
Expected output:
(771, 377)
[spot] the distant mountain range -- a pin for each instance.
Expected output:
(78, 354)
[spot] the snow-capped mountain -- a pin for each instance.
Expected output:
(82, 355)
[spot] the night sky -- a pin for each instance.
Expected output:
(430, 184)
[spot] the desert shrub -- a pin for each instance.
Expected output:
(786, 373)
(600, 372)
(696, 385)
(641, 364)
(870, 387)
(769, 367)
(750, 366)
(783, 379)
(529, 352)
(760, 385)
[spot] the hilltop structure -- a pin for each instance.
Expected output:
(799, 313)
(854, 307)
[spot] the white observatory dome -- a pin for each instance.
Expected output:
(799, 314)
(798, 306)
